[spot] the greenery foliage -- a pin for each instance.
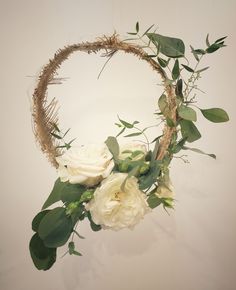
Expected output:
(54, 227)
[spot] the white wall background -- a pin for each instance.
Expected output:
(194, 247)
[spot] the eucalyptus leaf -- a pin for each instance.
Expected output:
(43, 257)
(189, 131)
(214, 47)
(56, 136)
(170, 123)
(163, 105)
(187, 113)
(55, 195)
(169, 46)
(199, 151)
(207, 40)
(93, 226)
(202, 69)
(55, 228)
(133, 172)
(179, 89)
(121, 131)
(71, 247)
(200, 51)
(78, 235)
(134, 134)
(188, 68)
(149, 28)
(215, 115)
(220, 39)
(37, 219)
(175, 70)
(176, 148)
(125, 123)
(147, 180)
(72, 192)
(194, 53)
(153, 201)
(162, 62)
(113, 146)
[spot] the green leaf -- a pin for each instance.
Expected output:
(169, 46)
(175, 70)
(202, 69)
(121, 131)
(179, 89)
(148, 30)
(199, 151)
(93, 226)
(125, 123)
(43, 257)
(207, 40)
(56, 127)
(64, 191)
(147, 180)
(156, 148)
(215, 115)
(72, 192)
(170, 122)
(187, 113)
(194, 53)
(200, 51)
(179, 146)
(55, 228)
(162, 62)
(163, 105)
(66, 132)
(189, 131)
(56, 136)
(113, 147)
(76, 253)
(55, 195)
(133, 172)
(71, 247)
(220, 39)
(134, 134)
(214, 47)
(153, 201)
(188, 68)
(37, 219)
(78, 235)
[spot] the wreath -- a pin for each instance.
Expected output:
(115, 185)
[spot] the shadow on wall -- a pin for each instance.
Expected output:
(117, 248)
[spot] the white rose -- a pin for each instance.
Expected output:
(126, 150)
(86, 165)
(114, 208)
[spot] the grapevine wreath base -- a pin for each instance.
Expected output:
(114, 185)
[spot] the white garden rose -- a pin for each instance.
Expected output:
(114, 208)
(126, 150)
(86, 165)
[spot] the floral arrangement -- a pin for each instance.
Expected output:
(115, 185)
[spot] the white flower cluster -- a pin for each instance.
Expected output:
(117, 202)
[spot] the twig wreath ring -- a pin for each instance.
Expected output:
(114, 185)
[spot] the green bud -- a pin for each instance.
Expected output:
(168, 202)
(144, 168)
(71, 207)
(123, 166)
(87, 195)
